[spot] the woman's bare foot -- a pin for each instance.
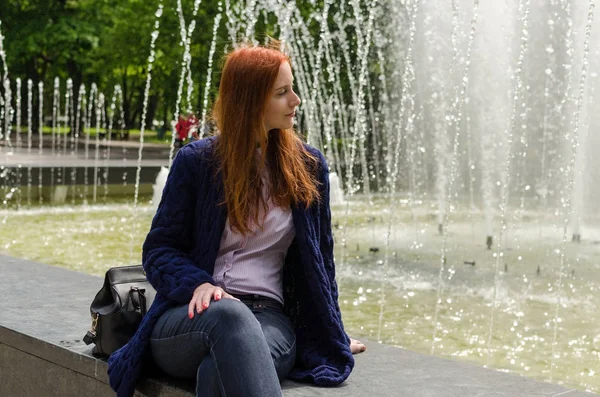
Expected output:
(357, 346)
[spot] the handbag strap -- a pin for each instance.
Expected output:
(140, 302)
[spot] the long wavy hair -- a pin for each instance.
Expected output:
(247, 80)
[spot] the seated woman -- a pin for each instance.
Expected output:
(241, 251)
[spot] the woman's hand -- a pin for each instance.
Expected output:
(202, 296)
(357, 346)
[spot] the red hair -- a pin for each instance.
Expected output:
(247, 81)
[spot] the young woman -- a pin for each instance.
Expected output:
(241, 252)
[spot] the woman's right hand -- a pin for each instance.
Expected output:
(202, 296)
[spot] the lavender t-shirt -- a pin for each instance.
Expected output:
(253, 264)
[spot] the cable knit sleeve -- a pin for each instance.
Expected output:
(166, 252)
(325, 233)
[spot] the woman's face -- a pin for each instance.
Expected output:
(280, 109)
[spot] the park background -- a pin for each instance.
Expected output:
(461, 135)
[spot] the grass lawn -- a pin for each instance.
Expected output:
(149, 135)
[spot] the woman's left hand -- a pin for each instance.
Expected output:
(357, 346)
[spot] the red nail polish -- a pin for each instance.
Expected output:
(191, 314)
(205, 305)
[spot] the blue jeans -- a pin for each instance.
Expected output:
(231, 348)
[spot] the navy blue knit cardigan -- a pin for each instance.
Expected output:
(180, 251)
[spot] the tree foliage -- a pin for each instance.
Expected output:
(106, 42)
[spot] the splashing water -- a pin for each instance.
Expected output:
(427, 116)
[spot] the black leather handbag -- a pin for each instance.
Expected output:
(118, 308)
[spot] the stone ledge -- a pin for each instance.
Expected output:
(44, 312)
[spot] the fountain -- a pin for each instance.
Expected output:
(460, 143)
(159, 185)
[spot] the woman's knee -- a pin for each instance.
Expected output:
(231, 315)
